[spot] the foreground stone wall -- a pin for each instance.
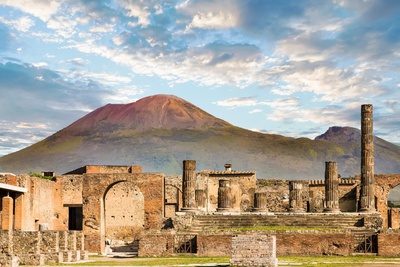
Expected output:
(156, 244)
(388, 244)
(254, 250)
(40, 247)
(214, 244)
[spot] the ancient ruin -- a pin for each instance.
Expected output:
(108, 209)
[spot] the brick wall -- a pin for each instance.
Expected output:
(156, 245)
(388, 244)
(254, 250)
(214, 244)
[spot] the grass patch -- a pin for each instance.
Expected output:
(304, 261)
(274, 228)
(153, 261)
(334, 261)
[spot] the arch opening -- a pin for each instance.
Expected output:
(123, 213)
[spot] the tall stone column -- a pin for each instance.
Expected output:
(189, 185)
(260, 202)
(224, 196)
(296, 196)
(331, 188)
(367, 197)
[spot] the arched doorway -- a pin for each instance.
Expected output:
(393, 203)
(123, 215)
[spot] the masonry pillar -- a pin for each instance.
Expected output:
(19, 212)
(296, 196)
(189, 185)
(224, 195)
(200, 199)
(331, 187)
(367, 197)
(260, 202)
(7, 213)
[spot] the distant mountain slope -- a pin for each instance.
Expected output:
(159, 132)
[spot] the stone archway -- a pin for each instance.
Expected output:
(95, 188)
(384, 183)
(123, 213)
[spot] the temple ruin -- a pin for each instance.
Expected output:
(104, 209)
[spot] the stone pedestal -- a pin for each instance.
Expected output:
(296, 196)
(331, 188)
(189, 185)
(260, 202)
(367, 196)
(224, 196)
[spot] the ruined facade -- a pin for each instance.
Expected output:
(111, 206)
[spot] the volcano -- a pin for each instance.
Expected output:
(159, 132)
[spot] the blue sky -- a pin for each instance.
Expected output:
(288, 67)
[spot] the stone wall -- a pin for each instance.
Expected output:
(242, 184)
(156, 244)
(95, 188)
(214, 244)
(388, 244)
(277, 193)
(173, 194)
(40, 247)
(384, 183)
(254, 250)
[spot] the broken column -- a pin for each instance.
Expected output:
(260, 202)
(189, 185)
(296, 196)
(367, 197)
(224, 196)
(331, 187)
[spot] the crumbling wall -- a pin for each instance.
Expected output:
(384, 183)
(173, 194)
(242, 184)
(40, 247)
(156, 244)
(277, 192)
(95, 186)
(388, 244)
(254, 250)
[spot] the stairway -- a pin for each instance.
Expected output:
(220, 221)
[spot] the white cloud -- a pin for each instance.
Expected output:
(22, 24)
(255, 111)
(210, 20)
(42, 9)
(102, 28)
(40, 64)
(63, 26)
(238, 102)
(136, 10)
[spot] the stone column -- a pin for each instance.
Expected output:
(296, 196)
(224, 196)
(331, 188)
(260, 202)
(7, 213)
(189, 185)
(367, 197)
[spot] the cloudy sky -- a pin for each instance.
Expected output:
(291, 67)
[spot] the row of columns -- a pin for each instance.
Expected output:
(367, 198)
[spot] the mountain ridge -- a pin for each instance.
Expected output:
(159, 132)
